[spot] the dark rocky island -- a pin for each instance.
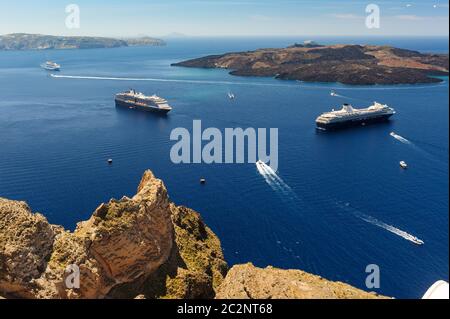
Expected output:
(348, 64)
(24, 41)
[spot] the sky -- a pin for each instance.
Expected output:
(226, 17)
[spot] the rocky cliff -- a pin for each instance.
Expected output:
(143, 246)
(348, 64)
(250, 282)
(140, 245)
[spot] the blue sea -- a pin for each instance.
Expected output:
(338, 202)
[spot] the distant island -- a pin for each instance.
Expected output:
(347, 64)
(24, 41)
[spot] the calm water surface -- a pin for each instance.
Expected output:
(56, 134)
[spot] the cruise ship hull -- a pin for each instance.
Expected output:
(132, 105)
(353, 122)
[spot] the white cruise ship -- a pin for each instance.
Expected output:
(348, 116)
(137, 100)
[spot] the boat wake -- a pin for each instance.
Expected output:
(276, 182)
(400, 138)
(383, 225)
(335, 94)
(101, 78)
(418, 149)
(286, 84)
(279, 186)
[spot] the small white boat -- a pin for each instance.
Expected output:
(418, 241)
(333, 93)
(231, 96)
(51, 66)
(403, 165)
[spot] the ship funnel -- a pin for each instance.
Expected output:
(347, 107)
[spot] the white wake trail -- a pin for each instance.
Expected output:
(275, 181)
(334, 94)
(381, 224)
(278, 185)
(275, 176)
(418, 149)
(400, 138)
(390, 228)
(267, 178)
(101, 78)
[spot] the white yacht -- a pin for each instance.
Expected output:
(403, 164)
(417, 241)
(51, 66)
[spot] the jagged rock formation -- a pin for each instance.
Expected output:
(250, 282)
(348, 64)
(143, 245)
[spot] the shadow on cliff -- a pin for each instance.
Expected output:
(194, 269)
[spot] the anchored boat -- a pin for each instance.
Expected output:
(137, 100)
(51, 66)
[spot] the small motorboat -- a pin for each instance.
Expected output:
(403, 165)
(51, 66)
(202, 181)
(231, 96)
(333, 93)
(417, 241)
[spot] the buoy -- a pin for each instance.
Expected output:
(110, 161)
(202, 181)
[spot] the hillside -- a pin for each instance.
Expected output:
(348, 64)
(23, 41)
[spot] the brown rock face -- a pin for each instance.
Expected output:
(26, 242)
(196, 266)
(250, 282)
(120, 251)
(142, 247)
